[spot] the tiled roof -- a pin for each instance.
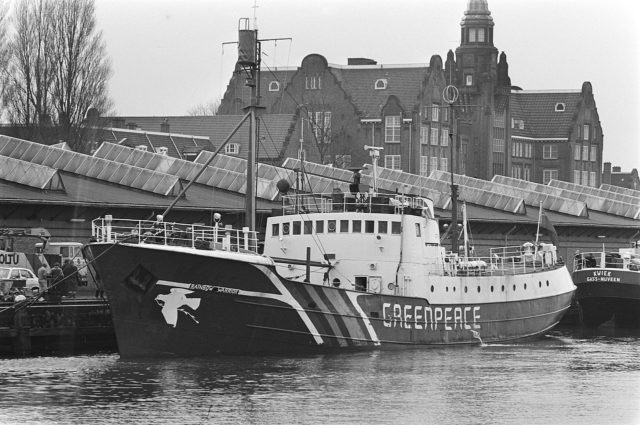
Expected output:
(274, 130)
(404, 82)
(538, 110)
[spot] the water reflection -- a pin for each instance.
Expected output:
(564, 375)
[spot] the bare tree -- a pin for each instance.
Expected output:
(28, 76)
(205, 109)
(82, 68)
(4, 44)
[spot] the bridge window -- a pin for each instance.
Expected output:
(382, 227)
(275, 229)
(285, 228)
(361, 283)
(296, 227)
(308, 227)
(369, 226)
(319, 226)
(331, 225)
(357, 226)
(396, 228)
(344, 226)
(417, 230)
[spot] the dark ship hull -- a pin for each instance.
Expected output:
(605, 295)
(172, 302)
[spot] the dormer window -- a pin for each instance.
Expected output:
(560, 107)
(313, 83)
(519, 124)
(468, 80)
(381, 84)
(232, 149)
(274, 86)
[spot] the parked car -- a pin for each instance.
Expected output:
(17, 280)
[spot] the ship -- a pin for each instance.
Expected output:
(608, 287)
(353, 270)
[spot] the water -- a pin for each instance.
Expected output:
(562, 378)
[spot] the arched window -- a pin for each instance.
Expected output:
(274, 86)
(560, 107)
(381, 84)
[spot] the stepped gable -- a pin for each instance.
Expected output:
(538, 110)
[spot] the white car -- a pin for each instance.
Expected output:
(17, 277)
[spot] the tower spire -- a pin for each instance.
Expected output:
(477, 24)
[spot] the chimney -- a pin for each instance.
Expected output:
(606, 173)
(616, 170)
(361, 61)
(162, 150)
(164, 126)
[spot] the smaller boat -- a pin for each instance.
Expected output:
(608, 285)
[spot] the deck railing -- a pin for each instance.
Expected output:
(348, 202)
(196, 236)
(603, 259)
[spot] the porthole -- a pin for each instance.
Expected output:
(539, 284)
(465, 289)
(336, 282)
(502, 288)
(447, 289)
(514, 287)
(454, 289)
(525, 286)
(547, 283)
(478, 289)
(431, 288)
(491, 288)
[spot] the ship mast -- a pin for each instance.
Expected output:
(249, 57)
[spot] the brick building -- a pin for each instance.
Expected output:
(496, 128)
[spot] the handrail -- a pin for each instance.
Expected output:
(195, 236)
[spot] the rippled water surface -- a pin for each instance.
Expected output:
(562, 378)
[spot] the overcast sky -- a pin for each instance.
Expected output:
(168, 55)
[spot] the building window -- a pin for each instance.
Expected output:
(433, 163)
(576, 176)
(392, 129)
(274, 86)
(548, 175)
(424, 166)
(585, 132)
(232, 148)
(515, 172)
(480, 35)
(576, 152)
(498, 145)
(585, 152)
(468, 80)
(444, 140)
(527, 151)
(550, 152)
(392, 161)
(435, 113)
(312, 83)
(321, 126)
(445, 114)
(519, 124)
(527, 173)
(381, 84)
(594, 153)
(592, 179)
(434, 136)
(472, 35)
(560, 107)
(443, 164)
(424, 134)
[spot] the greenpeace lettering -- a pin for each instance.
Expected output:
(429, 318)
(212, 288)
(12, 259)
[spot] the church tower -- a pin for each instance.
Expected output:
(477, 79)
